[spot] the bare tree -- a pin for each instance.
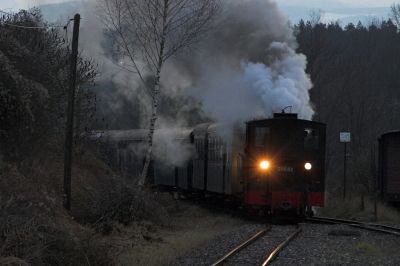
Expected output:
(315, 16)
(152, 31)
(395, 14)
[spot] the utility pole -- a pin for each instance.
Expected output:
(344, 170)
(345, 137)
(69, 129)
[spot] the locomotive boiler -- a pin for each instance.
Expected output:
(276, 165)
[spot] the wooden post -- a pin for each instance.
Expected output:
(344, 170)
(362, 205)
(345, 137)
(69, 130)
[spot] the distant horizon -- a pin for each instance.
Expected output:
(312, 4)
(343, 11)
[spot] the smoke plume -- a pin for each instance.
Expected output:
(247, 67)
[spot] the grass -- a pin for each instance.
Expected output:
(368, 248)
(352, 208)
(144, 227)
(377, 253)
(191, 228)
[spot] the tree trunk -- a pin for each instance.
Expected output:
(156, 94)
(154, 114)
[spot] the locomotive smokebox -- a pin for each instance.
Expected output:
(285, 115)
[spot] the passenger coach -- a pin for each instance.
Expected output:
(276, 165)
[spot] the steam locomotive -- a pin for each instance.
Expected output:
(276, 165)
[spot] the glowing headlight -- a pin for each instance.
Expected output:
(308, 166)
(264, 165)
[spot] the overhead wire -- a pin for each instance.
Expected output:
(65, 27)
(34, 27)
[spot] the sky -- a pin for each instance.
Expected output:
(344, 11)
(336, 3)
(16, 4)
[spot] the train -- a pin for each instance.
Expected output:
(389, 168)
(270, 165)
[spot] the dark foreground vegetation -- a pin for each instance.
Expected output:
(34, 228)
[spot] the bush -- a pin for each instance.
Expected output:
(30, 237)
(359, 209)
(34, 78)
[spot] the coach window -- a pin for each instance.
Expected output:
(200, 148)
(311, 139)
(261, 136)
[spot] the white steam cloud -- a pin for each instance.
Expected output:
(248, 66)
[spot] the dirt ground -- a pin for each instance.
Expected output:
(147, 244)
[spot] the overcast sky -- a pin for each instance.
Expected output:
(341, 11)
(337, 3)
(15, 4)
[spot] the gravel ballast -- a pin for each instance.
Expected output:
(317, 244)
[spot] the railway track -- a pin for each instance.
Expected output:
(269, 256)
(363, 225)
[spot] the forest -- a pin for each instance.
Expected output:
(354, 70)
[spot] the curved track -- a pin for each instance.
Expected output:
(363, 225)
(279, 248)
(269, 257)
(241, 246)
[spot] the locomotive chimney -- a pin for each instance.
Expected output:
(285, 115)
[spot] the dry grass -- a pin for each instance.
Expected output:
(351, 208)
(34, 227)
(376, 252)
(36, 230)
(190, 228)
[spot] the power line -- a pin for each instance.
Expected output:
(35, 27)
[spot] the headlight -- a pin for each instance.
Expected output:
(264, 165)
(308, 166)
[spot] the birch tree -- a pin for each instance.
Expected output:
(151, 32)
(395, 14)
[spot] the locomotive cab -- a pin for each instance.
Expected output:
(284, 164)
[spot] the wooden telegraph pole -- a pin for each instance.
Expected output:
(344, 170)
(345, 137)
(70, 116)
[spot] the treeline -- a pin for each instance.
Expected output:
(356, 74)
(34, 78)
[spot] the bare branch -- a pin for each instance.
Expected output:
(152, 31)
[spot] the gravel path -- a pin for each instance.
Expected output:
(317, 244)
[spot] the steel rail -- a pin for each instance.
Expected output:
(363, 225)
(241, 246)
(376, 229)
(392, 228)
(279, 248)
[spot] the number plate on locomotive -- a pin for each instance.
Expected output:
(285, 169)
